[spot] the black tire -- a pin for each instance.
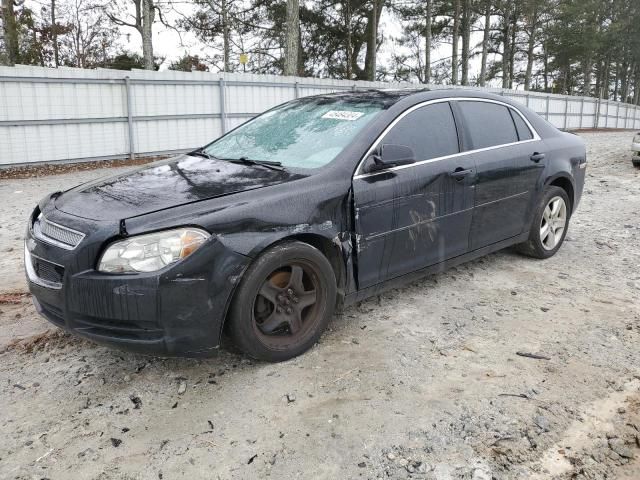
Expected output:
(269, 318)
(534, 246)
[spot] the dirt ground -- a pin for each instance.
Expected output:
(422, 382)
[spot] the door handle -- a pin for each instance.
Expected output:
(537, 156)
(459, 173)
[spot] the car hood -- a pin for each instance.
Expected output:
(161, 185)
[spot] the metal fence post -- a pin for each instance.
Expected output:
(297, 90)
(566, 111)
(127, 88)
(223, 109)
(581, 112)
(527, 100)
(626, 115)
(606, 116)
(546, 113)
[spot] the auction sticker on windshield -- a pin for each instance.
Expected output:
(342, 115)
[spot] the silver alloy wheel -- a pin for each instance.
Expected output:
(553, 223)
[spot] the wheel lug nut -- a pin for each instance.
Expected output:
(288, 310)
(278, 310)
(290, 292)
(295, 299)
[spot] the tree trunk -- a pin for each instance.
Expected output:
(506, 40)
(454, 50)
(533, 22)
(148, 14)
(300, 68)
(512, 52)
(54, 34)
(372, 41)
(565, 78)
(292, 31)
(466, 40)
(586, 73)
(606, 78)
(347, 22)
(546, 70)
(635, 79)
(226, 41)
(10, 32)
(485, 43)
(625, 82)
(427, 42)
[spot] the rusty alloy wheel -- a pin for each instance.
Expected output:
(285, 308)
(283, 303)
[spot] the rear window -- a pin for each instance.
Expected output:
(524, 133)
(430, 131)
(488, 124)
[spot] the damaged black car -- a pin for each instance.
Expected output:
(313, 205)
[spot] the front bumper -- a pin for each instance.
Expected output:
(178, 311)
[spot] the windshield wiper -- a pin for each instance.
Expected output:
(201, 152)
(261, 163)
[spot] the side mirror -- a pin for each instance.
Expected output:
(390, 155)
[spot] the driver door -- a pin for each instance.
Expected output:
(413, 216)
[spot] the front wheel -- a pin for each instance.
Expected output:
(284, 302)
(549, 226)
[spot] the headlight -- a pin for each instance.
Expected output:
(148, 253)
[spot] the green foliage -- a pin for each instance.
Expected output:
(189, 63)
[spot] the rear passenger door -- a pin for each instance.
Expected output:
(416, 215)
(504, 148)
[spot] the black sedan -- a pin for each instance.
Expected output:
(315, 204)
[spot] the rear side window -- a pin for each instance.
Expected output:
(430, 131)
(524, 133)
(488, 124)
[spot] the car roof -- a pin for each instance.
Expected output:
(416, 94)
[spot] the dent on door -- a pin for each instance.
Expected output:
(412, 218)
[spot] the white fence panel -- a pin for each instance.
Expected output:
(66, 114)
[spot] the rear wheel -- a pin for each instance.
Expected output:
(549, 226)
(284, 302)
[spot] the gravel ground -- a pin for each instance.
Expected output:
(18, 198)
(421, 382)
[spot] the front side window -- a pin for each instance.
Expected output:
(430, 131)
(308, 133)
(488, 124)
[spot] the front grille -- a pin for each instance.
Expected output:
(47, 271)
(57, 234)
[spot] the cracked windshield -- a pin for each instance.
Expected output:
(305, 134)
